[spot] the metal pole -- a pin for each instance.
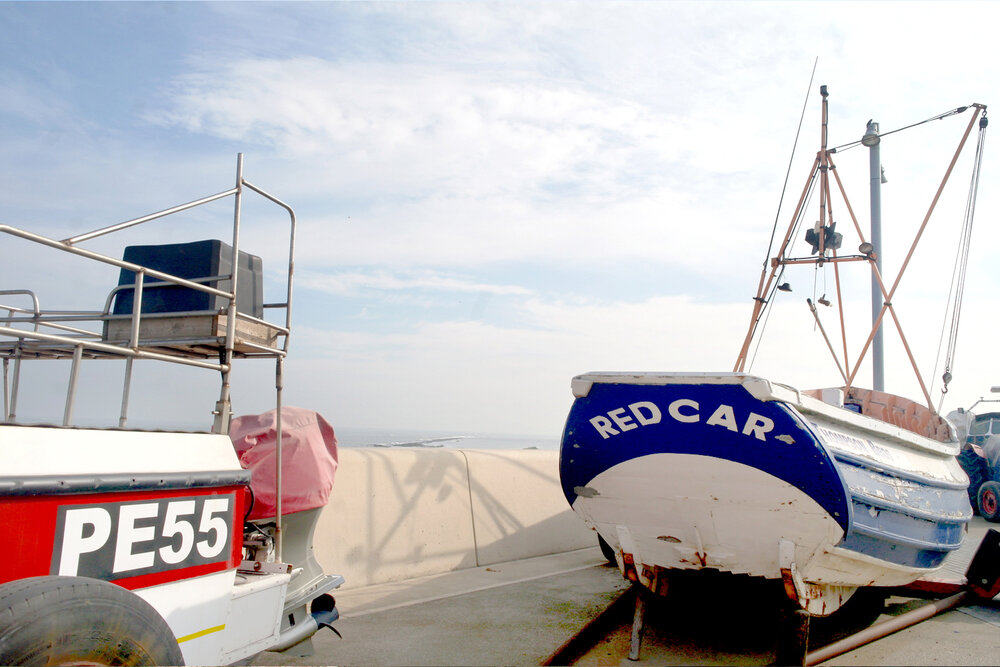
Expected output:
(638, 625)
(74, 375)
(885, 628)
(223, 408)
(15, 383)
(126, 389)
(279, 384)
(872, 140)
(6, 395)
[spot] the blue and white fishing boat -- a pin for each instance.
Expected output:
(827, 490)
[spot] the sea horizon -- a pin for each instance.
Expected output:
(457, 439)
(350, 436)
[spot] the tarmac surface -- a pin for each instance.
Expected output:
(522, 612)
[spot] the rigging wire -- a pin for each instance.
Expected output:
(760, 324)
(806, 203)
(777, 215)
(766, 311)
(818, 271)
(766, 315)
(961, 265)
(940, 116)
(791, 159)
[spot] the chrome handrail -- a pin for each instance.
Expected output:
(64, 339)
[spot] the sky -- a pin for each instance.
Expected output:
(493, 197)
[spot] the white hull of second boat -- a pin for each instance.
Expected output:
(736, 474)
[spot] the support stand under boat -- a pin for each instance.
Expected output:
(638, 624)
(793, 636)
(982, 582)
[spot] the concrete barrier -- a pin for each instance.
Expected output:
(399, 513)
(518, 507)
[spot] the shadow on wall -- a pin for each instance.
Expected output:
(396, 514)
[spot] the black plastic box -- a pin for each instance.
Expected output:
(199, 259)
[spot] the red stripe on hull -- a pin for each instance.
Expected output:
(31, 523)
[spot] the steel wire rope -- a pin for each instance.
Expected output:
(940, 116)
(959, 273)
(766, 311)
(777, 213)
(816, 274)
(758, 325)
(960, 270)
(791, 159)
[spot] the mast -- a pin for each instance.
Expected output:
(872, 140)
(825, 241)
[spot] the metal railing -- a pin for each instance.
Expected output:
(32, 333)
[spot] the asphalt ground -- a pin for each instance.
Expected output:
(521, 613)
(514, 613)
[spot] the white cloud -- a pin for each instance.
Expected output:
(351, 282)
(418, 127)
(604, 134)
(426, 146)
(514, 378)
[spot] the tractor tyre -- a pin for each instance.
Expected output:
(989, 501)
(978, 470)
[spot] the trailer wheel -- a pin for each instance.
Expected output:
(859, 612)
(989, 501)
(607, 551)
(76, 620)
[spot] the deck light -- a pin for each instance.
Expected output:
(784, 287)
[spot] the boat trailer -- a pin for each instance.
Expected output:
(981, 582)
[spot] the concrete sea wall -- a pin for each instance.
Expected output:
(400, 513)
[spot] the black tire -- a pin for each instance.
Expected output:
(76, 620)
(860, 611)
(607, 550)
(989, 501)
(976, 468)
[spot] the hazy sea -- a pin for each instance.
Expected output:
(348, 437)
(364, 437)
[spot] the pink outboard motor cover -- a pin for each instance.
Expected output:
(309, 459)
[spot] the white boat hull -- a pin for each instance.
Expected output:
(730, 473)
